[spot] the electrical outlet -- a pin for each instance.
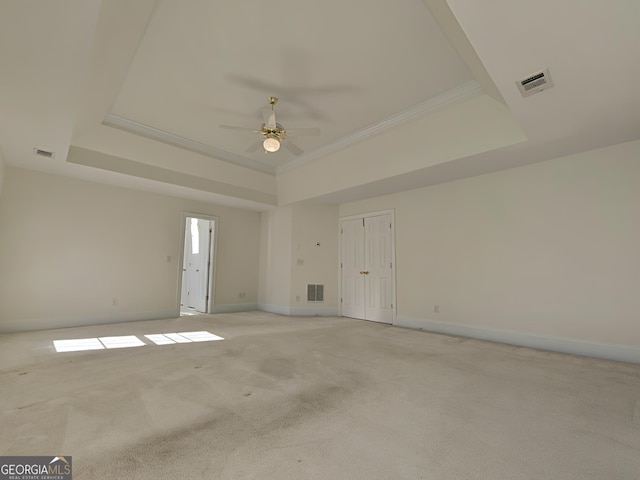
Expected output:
(114, 302)
(297, 298)
(436, 309)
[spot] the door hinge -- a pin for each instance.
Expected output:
(340, 300)
(391, 265)
(340, 264)
(363, 221)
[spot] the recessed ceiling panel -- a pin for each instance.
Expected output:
(337, 66)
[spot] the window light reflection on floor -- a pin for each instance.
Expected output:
(183, 337)
(127, 341)
(77, 345)
(160, 339)
(200, 336)
(177, 338)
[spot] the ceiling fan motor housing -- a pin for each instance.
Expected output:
(277, 132)
(273, 133)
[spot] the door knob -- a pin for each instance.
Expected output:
(197, 269)
(364, 272)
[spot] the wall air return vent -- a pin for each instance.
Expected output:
(315, 293)
(535, 83)
(43, 153)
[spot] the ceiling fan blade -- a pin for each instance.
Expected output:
(269, 116)
(254, 146)
(292, 147)
(243, 129)
(300, 132)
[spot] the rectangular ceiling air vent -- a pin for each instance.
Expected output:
(535, 83)
(43, 153)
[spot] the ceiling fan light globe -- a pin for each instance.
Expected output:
(271, 144)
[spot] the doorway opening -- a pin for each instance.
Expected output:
(198, 266)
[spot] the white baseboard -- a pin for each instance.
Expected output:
(320, 311)
(315, 310)
(30, 324)
(235, 307)
(621, 353)
(279, 309)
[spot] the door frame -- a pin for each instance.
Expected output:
(213, 249)
(391, 212)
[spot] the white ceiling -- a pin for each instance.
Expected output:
(203, 63)
(170, 71)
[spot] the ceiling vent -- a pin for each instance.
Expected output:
(535, 83)
(44, 153)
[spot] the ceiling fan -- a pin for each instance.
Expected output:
(274, 134)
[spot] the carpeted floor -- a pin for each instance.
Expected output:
(316, 398)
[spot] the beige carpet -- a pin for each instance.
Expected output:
(316, 398)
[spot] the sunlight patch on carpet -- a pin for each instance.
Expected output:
(160, 339)
(177, 338)
(128, 341)
(77, 345)
(200, 336)
(125, 341)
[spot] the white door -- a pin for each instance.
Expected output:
(195, 270)
(184, 292)
(378, 267)
(367, 268)
(352, 265)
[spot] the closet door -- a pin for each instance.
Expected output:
(378, 265)
(367, 268)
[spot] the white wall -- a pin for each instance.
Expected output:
(69, 247)
(550, 250)
(2, 167)
(312, 263)
(275, 260)
(290, 259)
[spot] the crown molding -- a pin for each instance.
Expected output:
(141, 129)
(462, 92)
